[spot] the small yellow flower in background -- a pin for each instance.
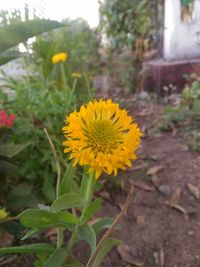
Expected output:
(60, 57)
(76, 75)
(102, 136)
(3, 214)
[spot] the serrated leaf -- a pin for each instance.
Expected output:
(104, 250)
(56, 258)
(35, 218)
(33, 248)
(87, 233)
(68, 201)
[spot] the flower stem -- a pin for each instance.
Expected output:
(63, 77)
(88, 197)
(72, 92)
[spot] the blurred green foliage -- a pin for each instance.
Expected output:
(77, 39)
(124, 21)
(186, 115)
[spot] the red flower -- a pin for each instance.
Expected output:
(6, 120)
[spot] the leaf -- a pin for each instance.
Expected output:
(102, 224)
(194, 190)
(10, 150)
(67, 179)
(106, 247)
(154, 170)
(36, 218)
(33, 248)
(87, 233)
(68, 201)
(56, 258)
(93, 207)
(126, 254)
(22, 189)
(74, 263)
(30, 233)
(175, 197)
(84, 183)
(15, 33)
(8, 56)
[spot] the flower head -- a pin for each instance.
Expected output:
(102, 136)
(3, 214)
(6, 120)
(60, 57)
(76, 75)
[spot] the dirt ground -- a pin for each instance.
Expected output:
(161, 227)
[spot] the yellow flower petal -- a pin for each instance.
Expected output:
(102, 136)
(60, 57)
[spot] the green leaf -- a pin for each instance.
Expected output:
(87, 233)
(33, 248)
(84, 183)
(10, 150)
(15, 33)
(106, 247)
(56, 258)
(74, 263)
(68, 201)
(67, 179)
(30, 233)
(8, 56)
(93, 207)
(36, 218)
(102, 224)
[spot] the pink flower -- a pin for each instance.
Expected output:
(6, 120)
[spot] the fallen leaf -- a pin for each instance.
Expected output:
(194, 190)
(155, 180)
(126, 254)
(154, 170)
(138, 167)
(179, 208)
(144, 186)
(175, 197)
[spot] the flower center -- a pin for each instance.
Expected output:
(102, 136)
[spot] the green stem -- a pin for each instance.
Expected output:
(89, 191)
(64, 81)
(59, 230)
(72, 92)
(88, 197)
(60, 237)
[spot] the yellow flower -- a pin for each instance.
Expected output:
(76, 75)
(102, 136)
(60, 57)
(3, 214)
